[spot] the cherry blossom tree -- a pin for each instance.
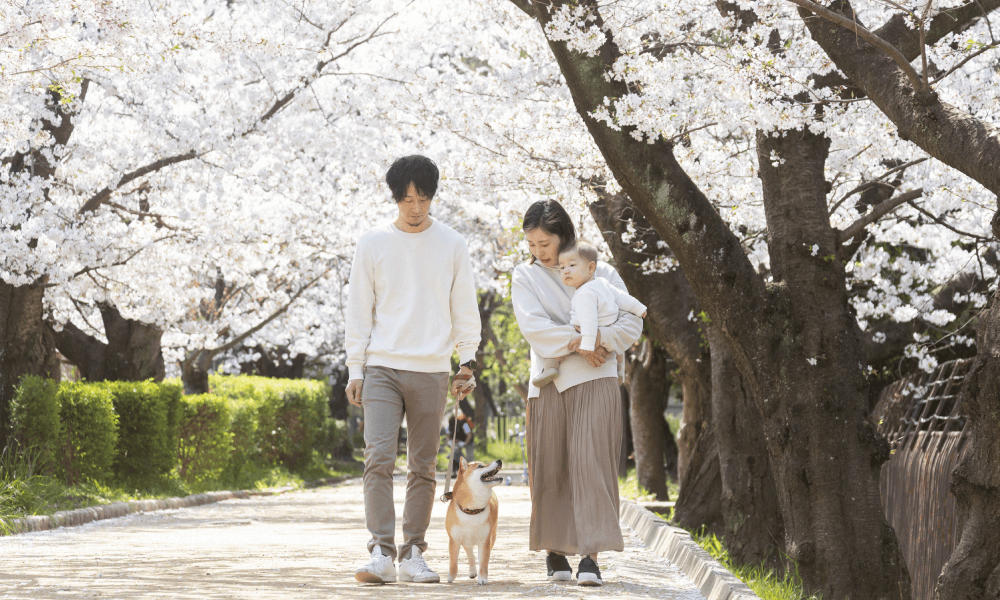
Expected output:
(796, 336)
(199, 172)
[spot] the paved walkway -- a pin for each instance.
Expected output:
(303, 544)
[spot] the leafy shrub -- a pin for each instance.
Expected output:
(291, 415)
(146, 447)
(204, 440)
(245, 457)
(88, 432)
(35, 420)
(170, 394)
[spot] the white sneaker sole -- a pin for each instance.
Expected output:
(588, 580)
(561, 576)
(366, 577)
(407, 579)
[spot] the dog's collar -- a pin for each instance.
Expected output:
(470, 511)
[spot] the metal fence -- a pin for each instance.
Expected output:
(923, 419)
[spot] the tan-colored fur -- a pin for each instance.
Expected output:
(478, 530)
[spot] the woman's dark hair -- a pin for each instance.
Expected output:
(416, 169)
(552, 218)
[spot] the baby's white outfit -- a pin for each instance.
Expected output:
(594, 304)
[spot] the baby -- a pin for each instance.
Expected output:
(595, 303)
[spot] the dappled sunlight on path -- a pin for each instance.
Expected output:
(304, 544)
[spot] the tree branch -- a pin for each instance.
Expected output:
(102, 196)
(948, 134)
(854, 26)
(950, 20)
(277, 313)
(947, 225)
(864, 186)
(525, 6)
(877, 213)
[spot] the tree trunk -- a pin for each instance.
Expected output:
(973, 570)
(133, 351)
(671, 302)
(699, 504)
(824, 452)
(648, 385)
(26, 344)
(83, 350)
(752, 530)
(194, 371)
(489, 302)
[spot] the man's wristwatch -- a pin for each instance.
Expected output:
(469, 363)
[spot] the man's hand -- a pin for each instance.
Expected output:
(463, 382)
(353, 391)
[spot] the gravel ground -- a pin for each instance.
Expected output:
(303, 544)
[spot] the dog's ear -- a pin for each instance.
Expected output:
(461, 463)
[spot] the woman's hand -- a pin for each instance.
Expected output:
(595, 357)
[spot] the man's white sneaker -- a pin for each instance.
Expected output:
(379, 569)
(416, 570)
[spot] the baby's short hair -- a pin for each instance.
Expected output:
(585, 249)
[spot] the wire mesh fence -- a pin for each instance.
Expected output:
(923, 419)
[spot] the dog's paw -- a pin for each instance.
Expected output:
(451, 578)
(481, 580)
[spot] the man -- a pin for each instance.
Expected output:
(411, 303)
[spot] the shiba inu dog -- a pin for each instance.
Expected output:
(471, 519)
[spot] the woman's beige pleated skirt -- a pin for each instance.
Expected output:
(574, 443)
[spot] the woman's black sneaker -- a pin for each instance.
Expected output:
(558, 566)
(588, 573)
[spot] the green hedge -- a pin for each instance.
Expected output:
(35, 420)
(146, 437)
(292, 416)
(138, 432)
(204, 440)
(88, 432)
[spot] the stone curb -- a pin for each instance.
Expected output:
(80, 516)
(676, 545)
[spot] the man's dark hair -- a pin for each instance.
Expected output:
(585, 249)
(552, 218)
(416, 169)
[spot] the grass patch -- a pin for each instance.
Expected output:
(25, 492)
(674, 422)
(762, 580)
(630, 488)
(509, 452)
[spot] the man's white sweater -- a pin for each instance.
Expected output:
(411, 301)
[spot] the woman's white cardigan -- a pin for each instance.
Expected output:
(542, 307)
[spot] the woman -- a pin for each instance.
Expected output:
(574, 423)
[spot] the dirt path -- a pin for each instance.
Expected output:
(303, 544)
